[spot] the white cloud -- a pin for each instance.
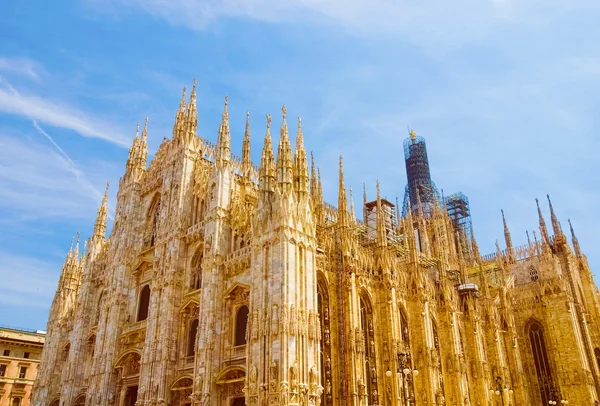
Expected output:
(58, 115)
(429, 21)
(22, 66)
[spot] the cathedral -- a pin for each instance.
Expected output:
(227, 284)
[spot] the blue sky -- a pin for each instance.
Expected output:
(505, 92)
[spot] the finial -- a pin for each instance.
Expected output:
(413, 135)
(268, 122)
(284, 110)
(145, 130)
(107, 186)
(299, 124)
(182, 103)
(247, 117)
(137, 130)
(378, 190)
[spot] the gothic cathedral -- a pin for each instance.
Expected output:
(227, 284)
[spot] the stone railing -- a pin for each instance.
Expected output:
(196, 228)
(242, 252)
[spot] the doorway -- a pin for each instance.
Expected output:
(131, 396)
(239, 402)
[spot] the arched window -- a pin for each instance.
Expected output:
(192, 332)
(153, 217)
(196, 271)
(366, 324)
(325, 353)
(16, 402)
(241, 323)
(144, 303)
(540, 358)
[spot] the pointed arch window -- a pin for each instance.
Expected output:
(540, 358)
(16, 402)
(191, 343)
(144, 303)
(241, 324)
(533, 274)
(366, 323)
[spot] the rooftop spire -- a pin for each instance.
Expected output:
(179, 126)
(352, 213)
(191, 116)
(313, 178)
(300, 163)
(555, 224)
(543, 229)
(575, 241)
(381, 234)
(267, 164)
(342, 202)
(507, 238)
(284, 157)
(100, 226)
(474, 246)
(246, 162)
(223, 150)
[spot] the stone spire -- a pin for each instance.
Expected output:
(422, 226)
(179, 126)
(380, 222)
(246, 160)
(143, 147)
(300, 164)
(313, 178)
(575, 241)
(555, 224)
(507, 238)
(319, 187)
(284, 158)
(474, 246)
(191, 118)
(352, 213)
(543, 229)
(342, 202)
(223, 149)
(100, 226)
(267, 163)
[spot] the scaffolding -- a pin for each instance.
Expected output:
(419, 186)
(460, 214)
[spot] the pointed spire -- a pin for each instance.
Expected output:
(575, 241)
(380, 224)
(267, 164)
(555, 224)
(419, 205)
(100, 226)
(223, 149)
(320, 187)
(179, 126)
(284, 158)
(191, 116)
(474, 246)
(342, 202)
(398, 217)
(507, 237)
(352, 213)
(543, 229)
(246, 161)
(143, 149)
(313, 178)
(300, 164)
(76, 252)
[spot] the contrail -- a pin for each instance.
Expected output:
(79, 175)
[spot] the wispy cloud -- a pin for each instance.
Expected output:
(36, 182)
(22, 67)
(58, 115)
(429, 21)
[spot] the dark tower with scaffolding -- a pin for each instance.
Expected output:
(420, 190)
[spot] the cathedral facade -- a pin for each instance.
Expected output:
(226, 284)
